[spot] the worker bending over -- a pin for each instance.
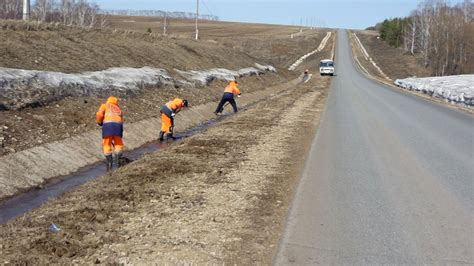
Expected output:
(229, 92)
(168, 111)
(110, 118)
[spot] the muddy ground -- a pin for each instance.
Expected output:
(29, 127)
(217, 197)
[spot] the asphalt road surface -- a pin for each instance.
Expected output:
(389, 179)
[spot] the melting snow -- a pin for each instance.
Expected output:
(20, 88)
(204, 77)
(456, 89)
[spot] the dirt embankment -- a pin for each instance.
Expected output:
(271, 44)
(32, 167)
(74, 50)
(69, 49)
(217, 197)
(394, 62)
(30, 127)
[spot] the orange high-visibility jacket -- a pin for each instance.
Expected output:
(109, 112)
(111, 118)
(175, 105)
(232, 88)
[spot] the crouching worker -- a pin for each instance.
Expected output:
(110, 118)
(229, 92)
(168, 111)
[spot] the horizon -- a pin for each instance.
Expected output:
(345, 14)
(358, 14)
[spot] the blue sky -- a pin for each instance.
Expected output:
(329, 13)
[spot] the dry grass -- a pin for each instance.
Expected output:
(75, 50)
(55, 47)
(217, 197)
(270, 43)
(394, 62)
(75, 115)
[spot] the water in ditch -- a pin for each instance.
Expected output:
(34, 198)
(31, 199)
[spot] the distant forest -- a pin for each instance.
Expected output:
(80, 13)
(158, 13)
(441, 33)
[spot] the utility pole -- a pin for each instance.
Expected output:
(26, 9)
(197, 17)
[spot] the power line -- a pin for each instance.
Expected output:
(207, 8)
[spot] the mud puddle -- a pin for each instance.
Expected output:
(34, 198)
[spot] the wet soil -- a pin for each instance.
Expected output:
(218, 197)
(127, 44)
(31, 127)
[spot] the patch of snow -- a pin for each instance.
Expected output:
(20, 88)
(267, 68)
(319, 49)
(368, 58)
(455, 89)
(204, 77)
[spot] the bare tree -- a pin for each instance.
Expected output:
(92, 14)
(66, 9)
(10, 9)
(42, 8)
(103, 20)
(412, 32)
(443, 35)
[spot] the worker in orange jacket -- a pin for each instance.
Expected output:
(168, 111)
(230, 90)
(110, 118)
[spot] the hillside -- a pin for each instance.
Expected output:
(393, 61)
(51, 47)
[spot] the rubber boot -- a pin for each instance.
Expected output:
(110, 162)
(118, 158)
(170, 136)
(162, 135)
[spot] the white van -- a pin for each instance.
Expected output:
(326, 67)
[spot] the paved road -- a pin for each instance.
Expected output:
(389, 179)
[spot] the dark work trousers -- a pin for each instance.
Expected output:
(227, 97)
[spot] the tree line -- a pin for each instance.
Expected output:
(160, 13)
(441, 33)
(80, 13)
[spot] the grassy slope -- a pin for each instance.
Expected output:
(74, 50)
(394, 62)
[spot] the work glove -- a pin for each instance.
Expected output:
(100, 124)
(173, 114)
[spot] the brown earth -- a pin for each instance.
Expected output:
(29, 127)
(270, 43)
(217, 197)
(394, 62)
(73, 50)
(69, 49)
(220, 196)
